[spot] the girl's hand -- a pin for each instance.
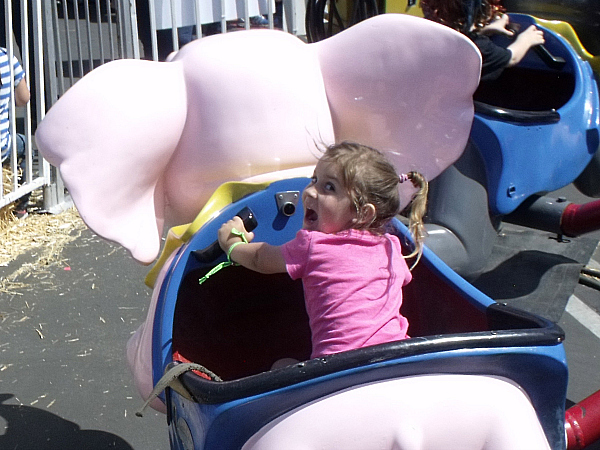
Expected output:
(524, 41)
(260, 257)
(227, 238)
(498, 26)
(532, 36)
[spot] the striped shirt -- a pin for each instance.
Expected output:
(5, 94)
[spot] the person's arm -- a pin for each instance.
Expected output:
(260, 257)
(22, 93)
(497, 26)
(524, 41)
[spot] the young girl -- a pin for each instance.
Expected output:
(352, 271)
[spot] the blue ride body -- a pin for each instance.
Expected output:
(232, 411)
(522, 159)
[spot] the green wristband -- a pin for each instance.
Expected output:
(231, 249)
(229, 262)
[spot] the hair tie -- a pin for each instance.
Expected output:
(403, 177)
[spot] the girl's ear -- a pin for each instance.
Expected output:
(367, 214)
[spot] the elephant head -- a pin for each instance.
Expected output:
(141, 143)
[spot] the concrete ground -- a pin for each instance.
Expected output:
(64, 383)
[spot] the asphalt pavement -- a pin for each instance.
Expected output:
(64, 382)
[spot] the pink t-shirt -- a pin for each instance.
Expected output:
(352, 287)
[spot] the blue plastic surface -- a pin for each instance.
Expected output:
(540, 370)
(526, 159)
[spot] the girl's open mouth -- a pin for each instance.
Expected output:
(310, 215)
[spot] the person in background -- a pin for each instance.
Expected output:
(22, 95)
(480, 19)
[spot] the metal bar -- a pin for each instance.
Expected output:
(78, 35)
(123, 30)
(111, 38)
(58, 52)
(174, 32)
(20, 192)
(88, 25)
(246, 15)
(134, 30)
(68, 42)
(583, 422)
(223, 18)
(152, 11)
(269, 12)
(25, 57)
(198, 20)
(100, 36)
(48, 71)
(580, 219)
(294, 14)
(11, 105)
(8, 39)
(39, 78)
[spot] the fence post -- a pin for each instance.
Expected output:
(55, 200)
(108, 41)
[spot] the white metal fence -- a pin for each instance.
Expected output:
(164, 25)
(19, 38)
(59, 41)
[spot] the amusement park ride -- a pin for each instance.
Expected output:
(475, 374)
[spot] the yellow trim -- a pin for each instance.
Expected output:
(225, 194)
(566, 30)
(401, 7)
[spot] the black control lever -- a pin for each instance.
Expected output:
(554, 62)
(213, 251)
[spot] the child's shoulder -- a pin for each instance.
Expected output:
(367, 236)
(345, 236)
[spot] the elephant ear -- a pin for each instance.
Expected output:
(247, 115)
(404, 85)
(111, 135)
(141, 143)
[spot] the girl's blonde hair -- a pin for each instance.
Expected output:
(370, 178)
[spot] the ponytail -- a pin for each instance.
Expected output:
(418, 207)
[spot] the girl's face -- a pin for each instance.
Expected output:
(327, 205)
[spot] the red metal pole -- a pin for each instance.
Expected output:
(580, 219)
(582, 422)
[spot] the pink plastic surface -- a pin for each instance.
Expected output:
(139, 348)
(430, 412)
(142, 143)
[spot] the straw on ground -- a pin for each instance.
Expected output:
(41, 235)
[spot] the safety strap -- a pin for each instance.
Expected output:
(171, 379)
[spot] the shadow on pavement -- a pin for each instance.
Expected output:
(29, 427)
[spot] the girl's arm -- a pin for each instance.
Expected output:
(260, 257)
(531, 37)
